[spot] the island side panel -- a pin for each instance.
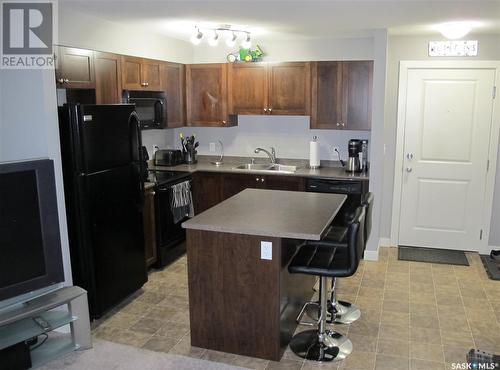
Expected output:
(234, 295)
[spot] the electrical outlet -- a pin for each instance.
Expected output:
(212, 147)
(266, 250)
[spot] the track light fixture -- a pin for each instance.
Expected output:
(231, 38)
(214, 40)
(197, 36)
(247, 43)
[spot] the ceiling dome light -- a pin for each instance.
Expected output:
(231, 41)
(213, 41)
(247, 43)
(197, 36)
(455, 30)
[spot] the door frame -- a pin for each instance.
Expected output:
(404, 67)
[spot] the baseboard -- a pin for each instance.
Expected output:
(493, 248)
(386, 242)
(371, 255)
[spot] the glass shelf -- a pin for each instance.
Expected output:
(54, 347)
(27, 328)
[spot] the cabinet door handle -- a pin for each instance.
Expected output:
(222, 122)
(338, 124)
(147, 83)
(409, 169)
(257, 179)
(262, 180)
(270, 110)
(265, 110)
(343, 124)
(66, 80)
(60, 80)
(409, 156)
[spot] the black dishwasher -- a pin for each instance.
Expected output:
(352, 188)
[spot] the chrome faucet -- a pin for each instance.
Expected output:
(272, 155)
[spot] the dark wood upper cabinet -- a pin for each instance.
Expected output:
(357, 81)
(174, 77)
(326, 94)
(74, 68)
(248, 88)
(341, 95)
(206, 95)
(132, 73)
(141, 74)
(107, 78)
(289, 88)
(152, 74)
(269, 88)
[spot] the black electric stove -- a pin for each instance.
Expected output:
(170, 236)
(161, 178)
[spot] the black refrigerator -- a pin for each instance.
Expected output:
(102, 169)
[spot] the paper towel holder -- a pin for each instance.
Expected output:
(314, 167)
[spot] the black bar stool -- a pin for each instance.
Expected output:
(325, 260)
(342, 312)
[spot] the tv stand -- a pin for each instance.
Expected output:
(18, 325)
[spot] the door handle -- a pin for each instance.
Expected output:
(409, 169)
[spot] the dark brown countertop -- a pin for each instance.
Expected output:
(330, 171)
(273, 213)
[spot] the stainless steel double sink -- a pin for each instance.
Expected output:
(269, 168)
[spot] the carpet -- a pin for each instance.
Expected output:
(113, 356)
(432, 255)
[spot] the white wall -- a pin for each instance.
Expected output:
(290, 135)
(29, 130)
(82, 30)
(416, 48)
(295, 50)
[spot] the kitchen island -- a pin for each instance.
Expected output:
(241, 297)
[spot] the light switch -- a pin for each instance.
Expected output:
(266, 250)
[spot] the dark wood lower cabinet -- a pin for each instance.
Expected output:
(207, 190)
(149, 226)
(211, 188)
(240, 303)
(234, 183)
(291, 183)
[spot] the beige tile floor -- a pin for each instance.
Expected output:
(414, 316)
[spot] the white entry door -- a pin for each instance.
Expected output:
(446, 143)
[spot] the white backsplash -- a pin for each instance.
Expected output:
(290, 135)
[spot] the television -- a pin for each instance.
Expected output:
(30, 244)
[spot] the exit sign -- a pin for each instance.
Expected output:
(467, 48)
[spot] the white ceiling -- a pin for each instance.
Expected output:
(277, 20)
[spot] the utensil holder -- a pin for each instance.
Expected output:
(191, 157)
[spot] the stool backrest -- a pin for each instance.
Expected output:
(355, 239)
(367, 203)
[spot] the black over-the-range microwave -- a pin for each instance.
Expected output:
(151, 107)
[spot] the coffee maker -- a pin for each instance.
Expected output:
(354, 148)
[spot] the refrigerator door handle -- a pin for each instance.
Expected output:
(134, 120)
